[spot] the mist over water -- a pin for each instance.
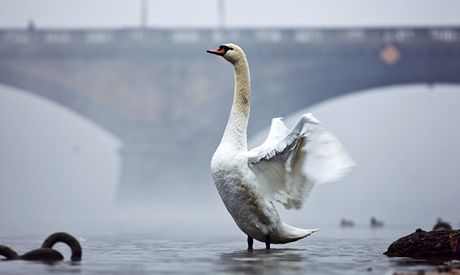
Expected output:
(56, 166)
(356, 251)
(60, 171)
(404, 141)
(145, 63)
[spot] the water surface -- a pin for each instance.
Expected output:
(329, 251)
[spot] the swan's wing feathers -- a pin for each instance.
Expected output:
(279, 138)
(277, 132)
(326, 160)
(286, 170)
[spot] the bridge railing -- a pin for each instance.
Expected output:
(96, 37)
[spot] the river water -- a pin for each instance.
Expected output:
(330, 251)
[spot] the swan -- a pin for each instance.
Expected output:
(283, 169)
(46, 252)
(71, 241)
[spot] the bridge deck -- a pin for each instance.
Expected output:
(157, 89)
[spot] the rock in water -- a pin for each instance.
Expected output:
(427, 245)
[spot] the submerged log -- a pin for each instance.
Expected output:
(427, 245)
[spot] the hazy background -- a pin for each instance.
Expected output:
(116, 13)
(404, 138)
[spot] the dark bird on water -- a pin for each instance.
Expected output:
(376, 223)
(46, 252)
(346, 223)
(442, 225)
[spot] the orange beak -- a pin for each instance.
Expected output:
(220, 52)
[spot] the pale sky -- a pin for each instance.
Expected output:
(123, 13)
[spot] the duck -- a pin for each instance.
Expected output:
(376, 223)
(283, 169)
(346, 223)
(442, 225)
(46, 253)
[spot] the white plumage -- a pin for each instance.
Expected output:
(289, 163)
(284, 168)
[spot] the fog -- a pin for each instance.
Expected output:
(60, 171)
(404, 140)
(55, 165)
(122, 13)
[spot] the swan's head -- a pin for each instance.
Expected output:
(231, 52)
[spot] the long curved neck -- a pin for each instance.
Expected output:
(67, 239)
(8, 253)
(236, 131)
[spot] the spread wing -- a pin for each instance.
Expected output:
(290, 162)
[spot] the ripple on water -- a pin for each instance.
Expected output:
(146, 254)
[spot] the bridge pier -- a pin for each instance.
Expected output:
(159, 92)
(159, 170)
(145, 169)
(138, 167)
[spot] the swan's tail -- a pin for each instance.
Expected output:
(292, 234)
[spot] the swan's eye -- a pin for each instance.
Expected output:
(225, 48)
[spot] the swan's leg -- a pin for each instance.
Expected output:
(250, 242)
(267, 242)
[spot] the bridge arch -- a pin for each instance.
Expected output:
(406, 158)
(149, 87)
(57, 155)
(424, 86)
(36, 98)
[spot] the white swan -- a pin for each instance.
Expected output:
(284, 168)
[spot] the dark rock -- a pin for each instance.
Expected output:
(427, 245)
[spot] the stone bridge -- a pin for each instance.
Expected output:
(168, 101)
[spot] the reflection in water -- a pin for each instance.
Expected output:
(66, 267)
(263, 261)
(334, 252)
(418, 265)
